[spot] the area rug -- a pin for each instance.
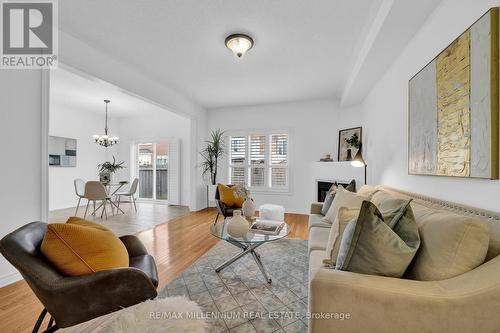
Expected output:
(239, 299)
(161, 315)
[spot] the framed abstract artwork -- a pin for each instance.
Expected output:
(453, 107)
(349, 143)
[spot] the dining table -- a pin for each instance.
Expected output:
(112, 189)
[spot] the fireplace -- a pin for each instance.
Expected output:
(322, 188)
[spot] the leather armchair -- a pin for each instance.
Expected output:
(223, 209)
(73, 300)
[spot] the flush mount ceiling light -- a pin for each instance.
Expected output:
(239, 44)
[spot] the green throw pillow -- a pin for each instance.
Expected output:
(379, 244)
(351, 187)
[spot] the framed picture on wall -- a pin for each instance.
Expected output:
(349, 143)
(453, 107)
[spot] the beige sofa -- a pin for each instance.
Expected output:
(469, 302)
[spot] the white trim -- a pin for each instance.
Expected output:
(44, 141)
(10, 278)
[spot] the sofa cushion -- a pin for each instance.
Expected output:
(344, 216)
(79, 249)
(316, 261)
(379, 245)
(343, 198)
(318, 237)
(315, 220)
(452, 244)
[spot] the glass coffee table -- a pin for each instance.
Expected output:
(248, 243)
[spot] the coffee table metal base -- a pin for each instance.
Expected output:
(247, 249)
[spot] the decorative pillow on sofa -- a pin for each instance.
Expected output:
(329, 199)
(368, 191)
(342, 198)
(79, 247)
(344, 216)
(228, 196)
(452, 244)
(377, 246)
(331, 194)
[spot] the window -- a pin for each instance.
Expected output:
(259, 160)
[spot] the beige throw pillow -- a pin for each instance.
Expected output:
(452, 244)
(343, 198)
(344, 215)
(368, 191)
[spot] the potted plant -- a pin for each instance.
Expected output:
(107, 169)
(211, 154)
(248, 207)
(353, 141)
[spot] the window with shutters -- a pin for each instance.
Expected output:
(259, 160)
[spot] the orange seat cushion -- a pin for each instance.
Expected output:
(81, 247)
(228, 197)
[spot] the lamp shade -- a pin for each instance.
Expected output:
(358, 160)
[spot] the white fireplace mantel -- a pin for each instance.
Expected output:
(336, 171)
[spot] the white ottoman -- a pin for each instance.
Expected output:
(272, 212)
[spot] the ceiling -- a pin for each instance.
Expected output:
(303, 49)
(69, 89)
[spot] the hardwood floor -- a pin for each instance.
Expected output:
(175, 245)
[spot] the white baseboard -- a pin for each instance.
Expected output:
(10, 278)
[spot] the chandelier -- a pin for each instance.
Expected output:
(106, 140)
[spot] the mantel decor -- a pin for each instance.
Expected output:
(349, 143)
(453, 107)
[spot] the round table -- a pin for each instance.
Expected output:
(248, 243)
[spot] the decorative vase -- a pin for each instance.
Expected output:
(349, 155)
(237, 226)
(105, 178)
(248, 207)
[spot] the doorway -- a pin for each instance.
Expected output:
(153, 167)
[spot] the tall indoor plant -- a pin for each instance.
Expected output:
(211, 155)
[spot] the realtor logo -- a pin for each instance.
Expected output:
(28, 34)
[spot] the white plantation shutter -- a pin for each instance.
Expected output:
(238, 152)
(279, 160)
(174, 172)
(257, 160)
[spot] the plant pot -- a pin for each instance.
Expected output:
(248, 207)
(211, 195)
(237, 226)
(105, 178)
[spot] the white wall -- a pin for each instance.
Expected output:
(79, 125)
(153, 127)
(386, 109)
(20, 134)
(313, 127)
(87, 59)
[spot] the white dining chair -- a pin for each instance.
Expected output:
(95, 191)
(79, 191)
(130, 193)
